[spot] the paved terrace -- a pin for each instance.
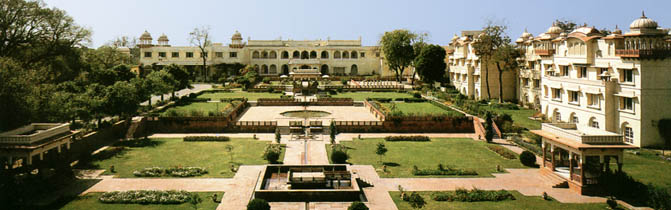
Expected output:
(338, 113)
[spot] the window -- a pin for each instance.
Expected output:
(627, 103)
(594, 123)
(575, 120)
(147, 54)
(233, 54)
(161, 54)
(556, 94)
(219, 54)
(537, 83)
(627, 75)
(602, 70)
(363, 55)
(377, 54)
(564, 71)
(574, 97)
(593, 100)
(628, 135)
(582, 72)
(175, 54)
(557, 116)
(189, 54)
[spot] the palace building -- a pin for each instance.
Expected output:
(272, 57)
(617, 83)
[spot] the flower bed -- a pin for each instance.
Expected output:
(473, 195)
(207, 138)
(442, 171)
(146, 197)
(504, 152)
(407, 138)
(174, 172)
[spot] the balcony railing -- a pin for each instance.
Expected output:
(655, 53)
(544, 52)
(570, 131)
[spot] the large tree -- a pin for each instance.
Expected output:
(200, 37)
(398, 50)
(566, 25)
(485, 46)
(161, 82)
(181, 77)
(417, 45)
(506, 60)
(121, 99)
(430, 64)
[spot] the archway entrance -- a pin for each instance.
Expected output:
(354, 70)
(325, 69)
(285, 69)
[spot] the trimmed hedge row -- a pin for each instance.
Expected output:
(442, 171)
(504, 152)
(407, 138)
(174, 172)
(146, 197)
(473, 195)
(207, 138)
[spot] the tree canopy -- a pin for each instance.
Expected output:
(430, 63)
(492, 37)
(398, 50)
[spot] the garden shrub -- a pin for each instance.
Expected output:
(339, 156)
(357, 205)
(174, 171)
(624, 187)
(504, 152)
(416, 95)
(146, 197)
(407, 138)
(416, 201)
(272, 153)
(442, 170)
(207, 138)
(149, 172)
(527, 146)
(528, 159)
(474, 195)
(413, 100)
(258, 204)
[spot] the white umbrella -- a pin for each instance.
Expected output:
(284, 76)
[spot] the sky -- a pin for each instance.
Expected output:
(344, 19)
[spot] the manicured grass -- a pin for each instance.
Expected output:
(423, 108)
(90, 201)
(203, 107)
(175, 152)
(647, 168)
(239, 94)
(401, 156)
(520, 202)
(360, 96)
(520, 117)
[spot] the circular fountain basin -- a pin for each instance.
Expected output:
(305, 114)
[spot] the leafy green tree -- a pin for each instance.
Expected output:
(121, 99)
(430, 63)
(566, 25)
(332, 132)
(258, 204)
(506, 59)
(489, 128)
(200, 37)
(181, 77)
(161, 82)
(398, 50)
(357, 205)
(485, 47)
(417, 45)
(380, 150)
(14, 87)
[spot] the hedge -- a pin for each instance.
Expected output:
(504, 152)
(473, 195)
(146, 197)
(207, 138)
(442, 171)
(174, 172)
(407, 138)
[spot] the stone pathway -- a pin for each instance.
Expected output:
(293, 154)
(241, 188)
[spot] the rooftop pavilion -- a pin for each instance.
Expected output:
(19, 146)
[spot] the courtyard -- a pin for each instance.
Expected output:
(337, 113)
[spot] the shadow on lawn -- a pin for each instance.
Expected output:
(139, 143)
(391, 164)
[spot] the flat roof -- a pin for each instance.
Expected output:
(575, 144)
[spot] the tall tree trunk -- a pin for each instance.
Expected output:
(173, 95)
(162, 96)
(489, 95)
(498, 67)
(150, 101)
(414, 73)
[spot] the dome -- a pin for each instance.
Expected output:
(163, 38)
(617, 31)
(586, 30)
(236, 36)
(563, 34)
(455, 37)
(554, 29)
(526, 34)
(145, 35)
(643, 22)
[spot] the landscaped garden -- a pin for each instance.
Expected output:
(520, 202)
(199, 109)
(647, 167)
(252, 96)
(419, 108)
(363, 95)
(454, 155)
(91, 201)
(170, 153)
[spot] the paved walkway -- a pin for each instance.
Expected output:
(241, 189)
(196, 88)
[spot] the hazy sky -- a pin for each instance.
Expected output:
(344, 19)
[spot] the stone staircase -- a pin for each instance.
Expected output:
(135, 122)
(553, 180)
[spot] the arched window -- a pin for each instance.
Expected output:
(354, 70)
(336, 55)
(325, 54)
(255, 54)
(345, 54)
(593, 122)
(296, 55)
(272, 55)
(264, 54)
(305, 67)
(354, 55)
(264, 69)
(556, 115)
(313, 55)
(273, 69)
(285, 55)
(305, 55)
(325, 69)
(285, 69)
(574, 118)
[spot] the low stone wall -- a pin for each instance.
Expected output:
(410, 125)
(92, 141)
(194, 124)
(312, 102)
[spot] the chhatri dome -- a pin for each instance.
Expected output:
(617, 31)
(554, 29)
(643, 22)
(526, 34)
(163, 37)
(236, 36)
(145, 35)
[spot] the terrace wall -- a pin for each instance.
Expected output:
(410, 125)
(312, 102)
(196, 124)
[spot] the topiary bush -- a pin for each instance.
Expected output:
(258, 204)
(272, 153)
(339, 156)
(416, 200)
(207, 138)
(528, 159)
(357, 205)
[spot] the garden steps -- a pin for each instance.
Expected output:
(553, 180)
(135, 123)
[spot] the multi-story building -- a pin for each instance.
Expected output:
(469, 76)
(272, 57)
(617, 82)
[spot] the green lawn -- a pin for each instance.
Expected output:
(422, 108)
(90, 201)
(401, 156)
(360, 96)
(239, 94)
(203, 107)
(647, 168)
(520, 117)
(175, 152)
(520, 202)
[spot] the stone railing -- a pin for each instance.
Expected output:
(48, 130)
(570, 131)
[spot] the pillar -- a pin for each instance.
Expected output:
(29, 160)
(552, 151)
(570, 165)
